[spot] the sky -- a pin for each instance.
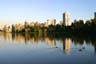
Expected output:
(17, 11)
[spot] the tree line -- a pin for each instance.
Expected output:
(76, 28)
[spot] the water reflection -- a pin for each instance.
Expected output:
(47, 47)
(50, 40)
(8, 36)
(94, 44)
(85, 40)
(67, 45)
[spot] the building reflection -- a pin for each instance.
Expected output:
(26, 37)
(19, 38)
(1, 34)
(29, 38)
(95, 49)
(50, 42)
(8, 36)
(66, 45)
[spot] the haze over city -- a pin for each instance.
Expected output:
(17, 11)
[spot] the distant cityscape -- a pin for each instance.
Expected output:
(19, 27)
(26, 27)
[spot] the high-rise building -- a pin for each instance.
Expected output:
(53, 22)
(7, 28)
(32, 24)
(26, 26)
(13, 28)
(49, 22)
(95, 15)
(61, 23)
(45, 24)
(66, 19)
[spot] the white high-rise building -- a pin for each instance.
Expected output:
(49, 22)
(53, 22)
(7, 28)
(66, 19)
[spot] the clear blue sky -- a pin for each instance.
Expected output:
(15, 11)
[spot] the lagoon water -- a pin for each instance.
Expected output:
(37, 49)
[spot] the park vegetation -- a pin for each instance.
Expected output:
(78, 28)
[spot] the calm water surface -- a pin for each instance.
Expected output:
(37, 49)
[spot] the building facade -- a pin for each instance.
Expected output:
(95, 15)
(48, 22)
(7, 29)
(53, 22)
(66, 19)
(32, 24)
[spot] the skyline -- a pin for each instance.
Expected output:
(18, 11)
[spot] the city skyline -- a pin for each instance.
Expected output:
(18, 11)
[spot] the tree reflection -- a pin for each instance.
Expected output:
(50, 39)
(93, 41)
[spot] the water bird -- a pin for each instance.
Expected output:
(56, 47)
(80, 49)
(83, 48)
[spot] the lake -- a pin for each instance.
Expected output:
(44, 49)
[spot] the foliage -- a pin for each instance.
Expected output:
(76, 28)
